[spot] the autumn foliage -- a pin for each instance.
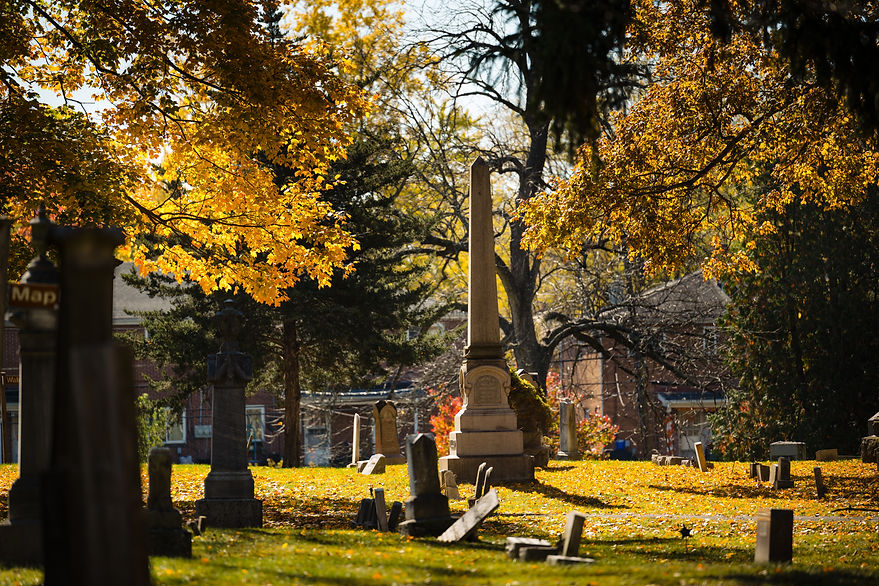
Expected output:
(723, 132)
(443, 423)
(594, 432)
(197, 102)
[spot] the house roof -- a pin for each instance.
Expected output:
(691, 399)
(403, 392)
(691, 298)
(127, 298)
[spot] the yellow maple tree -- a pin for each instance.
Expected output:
(213, 93)
(723, 131)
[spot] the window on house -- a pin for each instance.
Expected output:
(176, 430)
(256, 422)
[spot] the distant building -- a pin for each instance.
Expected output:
(326, 417)
(190, 437)
(676, 321)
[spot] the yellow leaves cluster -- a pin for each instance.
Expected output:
(221, 105)
(618, 498)
(723, 133)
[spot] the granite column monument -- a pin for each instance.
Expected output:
(228, 488)
(486, 427)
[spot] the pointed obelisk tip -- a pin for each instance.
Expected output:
(479, 162)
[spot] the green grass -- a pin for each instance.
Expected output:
(634, 510)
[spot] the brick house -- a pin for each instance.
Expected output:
(675, 321)
(190, 438)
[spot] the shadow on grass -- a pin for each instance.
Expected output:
(646, 551)
(737, 491)
(559, 468)
(577, 500)
(313, 513)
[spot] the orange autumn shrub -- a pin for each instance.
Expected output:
(443, 422)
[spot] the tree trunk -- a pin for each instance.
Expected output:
(521, 283)
(292, 395)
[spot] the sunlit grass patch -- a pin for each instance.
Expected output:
(634, 511)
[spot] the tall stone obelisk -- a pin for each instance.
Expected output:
(485, 428)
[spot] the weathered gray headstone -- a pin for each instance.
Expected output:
(165, 533)
(480, 481)
(228, 488)
(829, 455)
(773, 474)
(381, 509)
(753, 470)
(93, 525)
(791, 450)
(573, 532)
(21, 537)
(537, 553)
(450, 486)
(819, 482)
(375, 465)
(427, 508)
(782, 478)
(568, 448)
(486, 428)
(763, 472)
(515, 543)
(483, 483)
(384, 417)
(467, 525)
(775, 530)
(486, 480)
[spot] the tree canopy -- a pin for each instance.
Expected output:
(685, 166)
(198, 94)
(802, 332)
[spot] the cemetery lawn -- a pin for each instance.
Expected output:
(634, 512)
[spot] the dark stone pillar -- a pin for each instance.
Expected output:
(21, 539)
(228, 488)
(93, 527)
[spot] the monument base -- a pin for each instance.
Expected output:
(21, 544)
(228, 485)
(395, 459)
(425, 527)
(510, 468)
(566, 456)
(230, 513)
(168, 542)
